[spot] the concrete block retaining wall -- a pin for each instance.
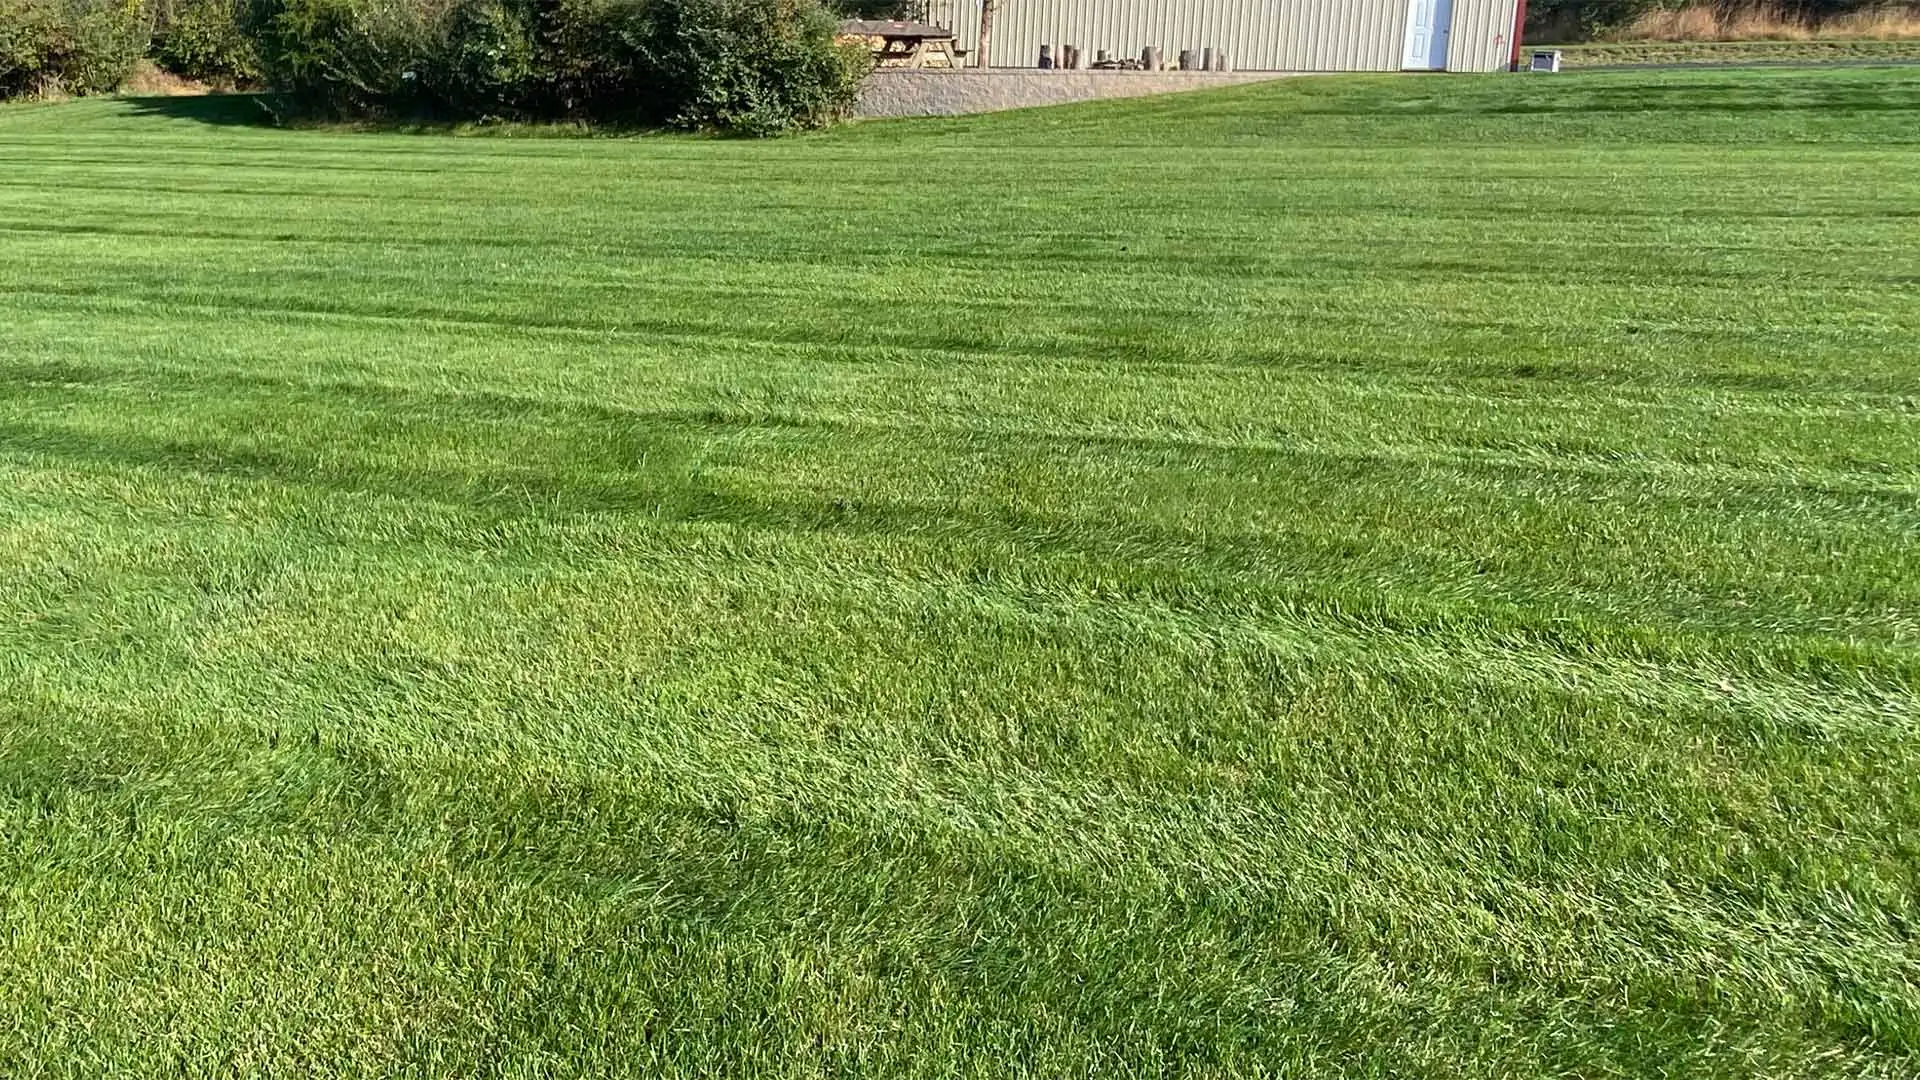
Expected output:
(954, 93)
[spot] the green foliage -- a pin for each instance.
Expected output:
(28, 29)
(589, 62)
(342, 57)
(485, 65)
(68, 46)
(205, 40)
(875, 9)
(756, 67)
(749, 67)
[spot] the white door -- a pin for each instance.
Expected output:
(1428, 24)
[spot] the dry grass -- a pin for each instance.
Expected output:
(1770, 22)
(1618, 53)
(149, 80)
(1879, 24)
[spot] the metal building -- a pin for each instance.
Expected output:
(1253, 35)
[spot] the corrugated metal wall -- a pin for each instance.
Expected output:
(1258, 35)
(1482, 35)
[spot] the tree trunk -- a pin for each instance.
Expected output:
(981, 54)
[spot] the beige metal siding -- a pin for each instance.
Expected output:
(1257, 35)
(1482, 35)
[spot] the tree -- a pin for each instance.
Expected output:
(987, 8)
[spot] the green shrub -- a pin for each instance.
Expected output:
(484, 62)
(27, 31)
(755, 67)
(589, 61)
(68, 46)
(348, 57)
(204, 40)
(878, 9)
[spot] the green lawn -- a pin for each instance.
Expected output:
(1352, 576)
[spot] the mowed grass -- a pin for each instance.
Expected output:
(1351, 576)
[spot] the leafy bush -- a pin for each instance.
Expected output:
(485, 65)
(68, 46)
(755, 67)
(204, 40)
(345, 57)
(587, 62)
(879, 9)
(27, 31)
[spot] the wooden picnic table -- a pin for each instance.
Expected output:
(899, 44)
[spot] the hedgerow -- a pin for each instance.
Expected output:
(68, 46)
(754, 67)
(740, 66)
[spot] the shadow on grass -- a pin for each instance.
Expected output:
(222, 110)
(265, 110)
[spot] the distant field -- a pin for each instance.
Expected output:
(1604, 54)
(1349, 576)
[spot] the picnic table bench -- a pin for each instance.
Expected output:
(898, 44)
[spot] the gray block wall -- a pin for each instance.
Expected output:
(955, 93)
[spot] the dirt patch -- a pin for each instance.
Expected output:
(149, 81)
